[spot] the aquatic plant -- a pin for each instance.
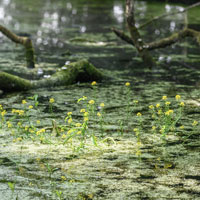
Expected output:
(76, 133)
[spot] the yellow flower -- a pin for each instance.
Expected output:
(102, 104)
(63, 178)
(78, 124)
(82, 110)
(182, 104)
(9, 124)
(1, 107)
(86, 119)
(182, 127)
(19, 139)
(194, 123)
(127, 84)
(63, 136)
(13, 110)
(159, 112)
(162, 130)
(26, 128)
(164, 98)
(91, 102)
(167, 103)
(24, 101)
(177, 97)
(151, 107)
(90, 196)
(70, 131)
(157, 105)
(31, 130)
(30, 107)
(70, 121)
(153, 128)
(135, 101)
(138, 153)
(51, 100)
(139, 143)
(139, 114)
(94, 83)
(38, 121)
(135, 129)
(99, 114)
(40, 131)
(86, 114)
(169, 112)
(79, 132)
(20, 112)
(84, 97)
(19, 124)
(69, 113)
(3, 113)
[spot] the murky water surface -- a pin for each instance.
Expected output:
(66, 31)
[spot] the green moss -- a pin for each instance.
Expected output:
(10, 82)
(81, 71)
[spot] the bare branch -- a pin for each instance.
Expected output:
(123, 36)
(168, 14)
(174, 38)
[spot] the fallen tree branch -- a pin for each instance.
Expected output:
(25, 41)
(174, 38)
(81, 71)
(168, 14)
(123, 36)
(143, 48)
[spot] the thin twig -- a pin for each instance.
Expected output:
(168, 14)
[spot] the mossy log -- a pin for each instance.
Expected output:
(80, 71)
(25, 41)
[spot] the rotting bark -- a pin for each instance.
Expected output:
(25, 41)
(81, 71)
(137, 41)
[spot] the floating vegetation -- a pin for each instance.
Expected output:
(154, 126)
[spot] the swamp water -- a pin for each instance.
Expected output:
(65, 31)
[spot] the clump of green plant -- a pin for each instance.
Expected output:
(165, 117)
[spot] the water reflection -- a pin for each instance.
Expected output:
(53, 23)
(118, 12)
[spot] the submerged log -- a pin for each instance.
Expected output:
(25, 41)
(81, 71)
